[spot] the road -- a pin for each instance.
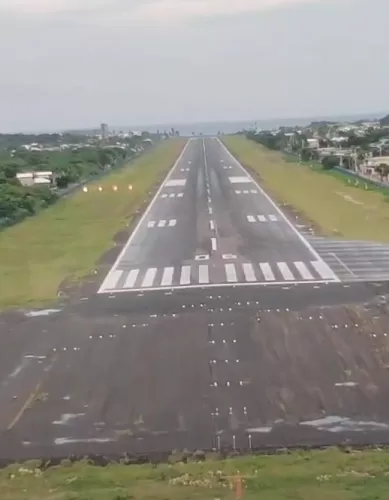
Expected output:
(210, 224)
(193, 342)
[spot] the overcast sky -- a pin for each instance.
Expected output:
(76, 63)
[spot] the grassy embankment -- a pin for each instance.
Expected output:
(301, 476)
(66, 240)
(329, 199)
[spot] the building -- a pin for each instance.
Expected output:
(41, 178)
(104, 131)
(373, 162)
(313, 143)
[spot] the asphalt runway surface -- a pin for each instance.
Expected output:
(212, 224)
(217, 365)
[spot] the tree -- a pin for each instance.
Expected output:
(62, 181)
(306, 154)
(329, 162)
(382, 170)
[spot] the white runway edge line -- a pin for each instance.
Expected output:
(331, 275)
(108, 278)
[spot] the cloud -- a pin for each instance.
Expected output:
(162, 11)
(38, 6)
(149, 11)
(51, 6)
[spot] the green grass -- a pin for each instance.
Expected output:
(316, 475)
(66, 240)
(326, 198)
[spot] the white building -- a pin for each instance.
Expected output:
(41, 178)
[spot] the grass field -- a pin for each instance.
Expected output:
(327, 199)
(319, 475)
(66, 240)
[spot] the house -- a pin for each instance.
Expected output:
(25, 178)
(41, 178)
(313, 143)
(373, 162)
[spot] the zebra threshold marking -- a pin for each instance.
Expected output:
(203, 274)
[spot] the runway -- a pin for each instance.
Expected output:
(210, 224)
(237, 334)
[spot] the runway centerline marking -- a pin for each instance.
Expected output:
(214, 244)
(212, 225)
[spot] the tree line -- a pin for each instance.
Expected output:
(69, 167)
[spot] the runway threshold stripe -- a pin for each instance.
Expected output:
(249, 273)
(303, 270)
(261, 218)
(251, 218)
(231, 273)
(203, 274)
(185, 275)
(148, 280)
(161, 223)
(323, 269)
(167, 276)
(112, 279)
(267, 272)
(172, 222)
(285, 271)
(273, 218)
(131, 278)
(151, 223)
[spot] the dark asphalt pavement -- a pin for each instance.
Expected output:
(300, 363)
(211, 224)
